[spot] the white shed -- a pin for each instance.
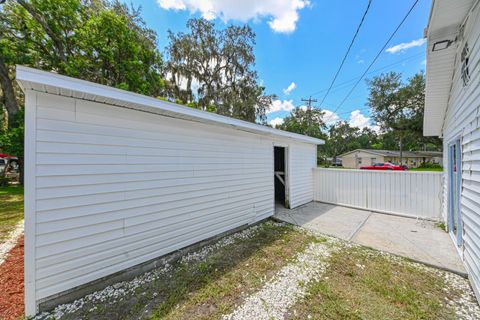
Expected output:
(452, 112)
(114, 179)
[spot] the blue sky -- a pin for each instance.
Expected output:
(303, 42)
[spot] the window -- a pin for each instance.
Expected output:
(464, 58)
(359, 160)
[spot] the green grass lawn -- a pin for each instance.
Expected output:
(362, 283)
(357, 283)
(11, 209)
(426, 169)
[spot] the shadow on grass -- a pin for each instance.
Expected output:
(207, 288)
(11, 209)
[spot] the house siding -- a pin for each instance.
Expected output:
(462, 121)
(350, 160)
(111, 187)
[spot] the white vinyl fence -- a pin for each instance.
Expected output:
(417, 194)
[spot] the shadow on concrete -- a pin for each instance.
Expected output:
(416, 239)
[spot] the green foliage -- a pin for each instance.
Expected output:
(398, 109)
(343, 138)
(95, 40)
(219, 63)
(11, 140)
(117, 50)
(307, 121)
(103, 42)
(99, 41)
(429, 165)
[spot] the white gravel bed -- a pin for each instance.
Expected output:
(11, 241)
(465, 306)
(202, 254)
(122, 290)
(112, 294)
(286, 287)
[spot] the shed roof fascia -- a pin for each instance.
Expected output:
(445, 20)
(29, 77)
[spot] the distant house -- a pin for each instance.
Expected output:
(335, 162)
(366, 157)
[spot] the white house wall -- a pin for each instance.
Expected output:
(109, 188)
(463, 120)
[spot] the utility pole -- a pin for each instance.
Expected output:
(309, 102)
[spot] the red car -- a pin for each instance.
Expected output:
(384, 166)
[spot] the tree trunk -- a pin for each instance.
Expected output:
(401, 149)
(8, 92)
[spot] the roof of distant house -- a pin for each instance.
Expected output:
(392, 153)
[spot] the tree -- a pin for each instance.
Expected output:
(95, 40)
(343, 138)
(397, 107)
(100, 41)
(307, 121)
(213, 70)
(367, 138)
(118, 50)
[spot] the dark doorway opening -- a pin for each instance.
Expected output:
(280, 176)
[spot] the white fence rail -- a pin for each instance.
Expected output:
(417, 194)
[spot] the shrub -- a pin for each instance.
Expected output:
(429, 165)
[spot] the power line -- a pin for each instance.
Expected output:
(370, 72)
(376, 57)
(346, 53)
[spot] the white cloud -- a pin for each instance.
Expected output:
(172, 4)
(357, 119)
(282, 14)
(401, 47)
(290, 88)
(361, 61)
(281, 105)
(330, 117)
(275, 122)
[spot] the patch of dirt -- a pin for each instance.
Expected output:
(11, 284)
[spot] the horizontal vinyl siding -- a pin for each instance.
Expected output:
(303, 159)
(117, 187)
(463, 120)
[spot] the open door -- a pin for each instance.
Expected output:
(280, 177)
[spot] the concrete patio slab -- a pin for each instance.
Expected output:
(340, 222)
(416, 239)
